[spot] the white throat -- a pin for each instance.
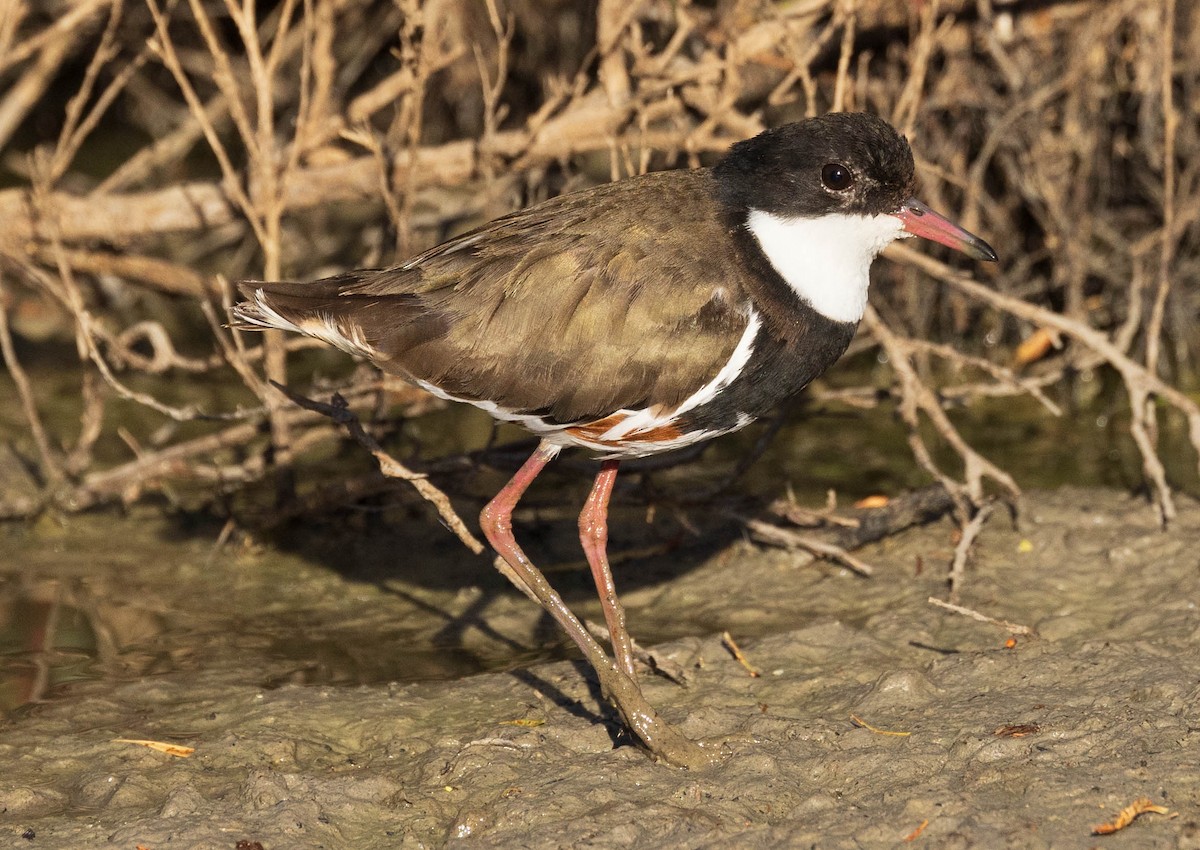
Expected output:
(826, 260)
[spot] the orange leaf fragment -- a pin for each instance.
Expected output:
(916, 833)
(1128, 814)
(876, 501)
(160, 746)
(1035, 347)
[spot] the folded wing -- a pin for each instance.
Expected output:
(570, 310)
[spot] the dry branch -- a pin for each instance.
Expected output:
(1140, 383)
(339, 412)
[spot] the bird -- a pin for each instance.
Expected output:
(633, 318)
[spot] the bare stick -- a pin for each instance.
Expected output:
(1170, 125)
(1014, 628)
(612, 17)
(958, 568)
(849, 14)
(789, 539)
(51, 466)
(653, 659)
(23, 96)
(916, 398)
(1167, 248)
(339, 412)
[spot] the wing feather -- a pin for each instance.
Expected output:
(572, 309)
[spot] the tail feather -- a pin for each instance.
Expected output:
(308, 309)
(249, 315)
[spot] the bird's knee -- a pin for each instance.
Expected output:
(494, 521)
(593, 529)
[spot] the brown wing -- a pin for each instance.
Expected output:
(591, 302)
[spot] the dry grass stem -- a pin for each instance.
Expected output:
(730, 644)
(862, 724)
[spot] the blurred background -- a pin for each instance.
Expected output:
(153, 151)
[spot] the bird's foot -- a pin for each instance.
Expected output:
(664, 741)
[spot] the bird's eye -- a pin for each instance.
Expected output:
(837, 177)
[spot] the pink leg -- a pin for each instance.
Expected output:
(593, 535)
(639, 715)
(496, 520)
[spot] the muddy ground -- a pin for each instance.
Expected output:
(252, 658)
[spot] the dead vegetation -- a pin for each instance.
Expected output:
(155, 150)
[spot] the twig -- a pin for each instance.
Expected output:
(339, 412)
(916, 398)
(958, 568)
(23, 96)
(789, 539)
(653, 659)
(1013, 628)
(857, 526)
(729, 643)
(1139, 383)
(862, 724)
(1167, 248)
(849, 14)
(51, 466)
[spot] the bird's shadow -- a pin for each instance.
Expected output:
(405, 553)
(606, 716)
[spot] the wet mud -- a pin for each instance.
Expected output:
(877, 720)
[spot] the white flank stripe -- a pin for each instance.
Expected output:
(826, 260)
(635, 448)
(534, 423)
(622, 439)
(644, 420)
